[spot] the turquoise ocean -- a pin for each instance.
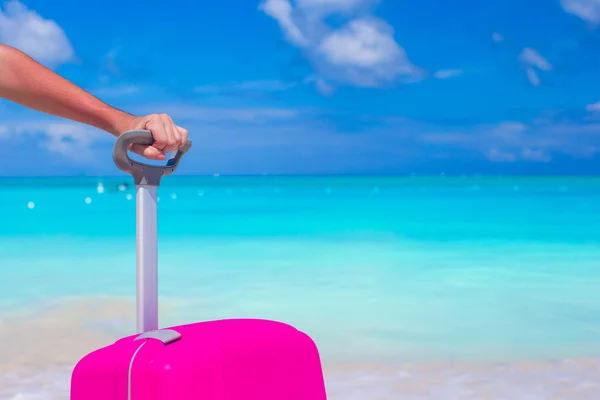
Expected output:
(412, 287)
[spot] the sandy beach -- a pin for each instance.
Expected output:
(46, 344)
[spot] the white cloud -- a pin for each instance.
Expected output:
(587, 10)
(219, 114)
(361, 50)
(281, 11)
(42, 39)
(247, 86)
(507, 131)
(70, 140)
(531, 57)
(501, 156)
(285, 132)
(323, 87)
(537, 140)
(361, 43)
(534, 155)
(533, 77)
(498, 155)
(366, 49)
(110, 61)
(115, 91)
(496, 37)
(509, 141)
(447, 73)
(331, 4)
(595, 107)
(321, 84)
(78, 143)
(508, 136)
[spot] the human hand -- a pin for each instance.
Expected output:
(167, 136)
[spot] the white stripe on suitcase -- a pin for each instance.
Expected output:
(131, 368)
(166, 336)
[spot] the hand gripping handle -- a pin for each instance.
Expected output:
(144, 174)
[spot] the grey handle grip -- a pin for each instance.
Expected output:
(144, 174)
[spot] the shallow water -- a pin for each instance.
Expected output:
(444, 288)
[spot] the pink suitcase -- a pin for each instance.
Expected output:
(234, 359)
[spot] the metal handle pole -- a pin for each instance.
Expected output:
(146, 258)
(147, 179)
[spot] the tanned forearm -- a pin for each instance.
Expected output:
(25, 81)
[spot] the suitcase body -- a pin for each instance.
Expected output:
(216, 360)
(236, 359)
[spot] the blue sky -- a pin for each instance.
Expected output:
(321, 86)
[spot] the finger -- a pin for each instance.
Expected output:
(149, 152)
(184, 135)
(168, 126)
(177, 135)
(159, 134)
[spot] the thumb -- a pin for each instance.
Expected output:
(149, 152)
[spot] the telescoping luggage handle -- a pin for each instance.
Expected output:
(147, 179)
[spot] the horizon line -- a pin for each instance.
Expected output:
(411, 175)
